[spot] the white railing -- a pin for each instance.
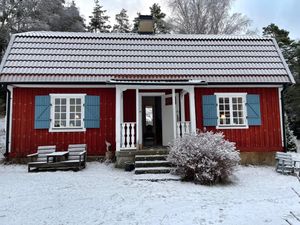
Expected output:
(183, 128)
(128, 140)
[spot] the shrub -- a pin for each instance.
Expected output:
(204, 157)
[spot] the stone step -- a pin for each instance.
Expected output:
(150, 157)
(153, 163)
(152, 170)
(152, 152)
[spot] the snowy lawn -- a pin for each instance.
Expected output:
(101, 194)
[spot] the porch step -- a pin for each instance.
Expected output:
(150, 157)
(152, 170)
(152, 163)
(152, 152)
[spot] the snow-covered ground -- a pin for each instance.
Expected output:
(101, 194)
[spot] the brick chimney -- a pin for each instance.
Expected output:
(146, 24)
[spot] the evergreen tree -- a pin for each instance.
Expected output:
(122, 25)
(160, 25)
(291, 52)
(291, 141)
(99, 20)
(136, 22)
(71, 19)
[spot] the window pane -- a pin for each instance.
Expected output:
(56, 116)
(240, 100)
(234, 107)
(220, 100)
(63, 101)
(63, 123)
(78, 108)
(56, 123)
(234, 114)
(72, 101)
(72, 116)
(72, 108)
(226, 100)
(226, 107)
(63, 115)
(241, 114)
(57, 109)
(57, 101)
(78, 116)
(72, 123)
(235, 121)
(63, 108)
(241, 121)
(78, 123)
(233, 100)
(78, 101)
(228, 121)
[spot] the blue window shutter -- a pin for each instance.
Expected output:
(253, 110)
(209, 109)
(92, 112)
(42, 112)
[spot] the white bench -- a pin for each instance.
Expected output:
(284, 163)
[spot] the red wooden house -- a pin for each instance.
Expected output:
(137, 90)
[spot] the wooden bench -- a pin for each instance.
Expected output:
(39, 159)
(284, 163)
(76, 157)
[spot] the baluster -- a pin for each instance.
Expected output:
(178, 129)
(123, 135)
(183, 130)
(127, 135)
(132, 135)
(187, 127)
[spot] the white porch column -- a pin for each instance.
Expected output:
(174, 113)
(191, 91)
(182, 106)
(118, 118)
(137, 100)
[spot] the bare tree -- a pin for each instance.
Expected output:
(206, 17)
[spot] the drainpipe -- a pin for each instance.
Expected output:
(8, 100)
(283, 118)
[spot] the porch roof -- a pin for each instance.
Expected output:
(87, 57)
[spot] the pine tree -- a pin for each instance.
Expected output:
(99, 20)
(291, 141)
(160, 25)
(136, 22)
(122, 25)
(291, 52)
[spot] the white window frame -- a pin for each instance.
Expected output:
(230, 96)
(67, 96)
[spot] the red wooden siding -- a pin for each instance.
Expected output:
(129, 105)
(25, 138)
(266, 137)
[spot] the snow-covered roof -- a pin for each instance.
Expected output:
(89, 57)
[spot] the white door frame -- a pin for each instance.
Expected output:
(141, 95)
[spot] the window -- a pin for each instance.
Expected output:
(231, 110)
(67, 112)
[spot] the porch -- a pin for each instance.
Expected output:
(160, 110)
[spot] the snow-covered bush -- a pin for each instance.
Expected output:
(204, 157)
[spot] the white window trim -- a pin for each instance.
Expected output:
(237, 94)
(55, 129)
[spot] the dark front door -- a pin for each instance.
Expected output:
(152, 125)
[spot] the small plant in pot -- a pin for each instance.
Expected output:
(204, 157)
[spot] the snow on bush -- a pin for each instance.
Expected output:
(204, 157)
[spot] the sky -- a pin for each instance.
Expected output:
(284, 13)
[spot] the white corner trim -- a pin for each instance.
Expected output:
(281, 114)
(11, 88)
